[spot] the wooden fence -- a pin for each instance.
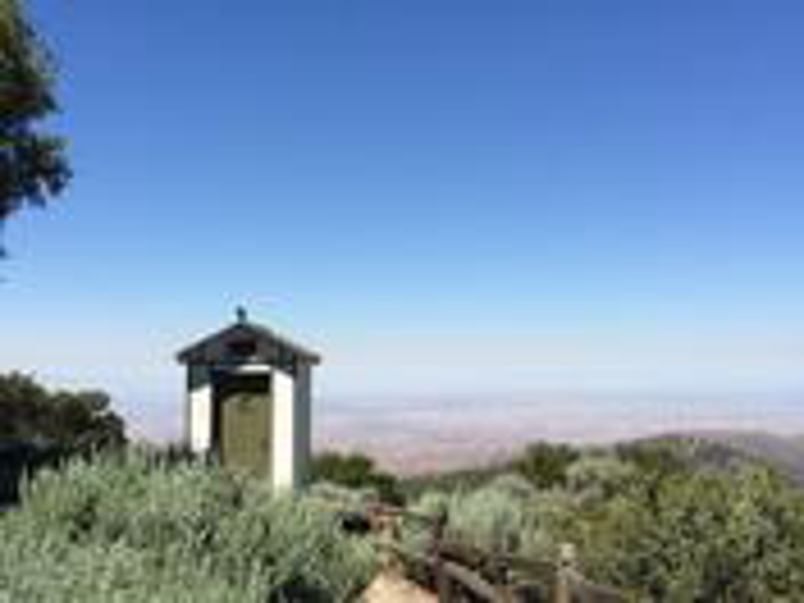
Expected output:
(459, 572)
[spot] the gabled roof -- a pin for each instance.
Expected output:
(243, 329)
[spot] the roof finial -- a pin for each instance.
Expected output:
(242, 315)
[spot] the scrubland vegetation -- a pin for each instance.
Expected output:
(653, 519)
(663, 520)
(690, 536)
(135, 528)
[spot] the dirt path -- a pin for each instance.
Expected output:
(390, 587)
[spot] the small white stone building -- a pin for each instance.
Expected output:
(249, 401)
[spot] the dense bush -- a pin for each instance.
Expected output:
(507, 515)
(597, 477)
(40, 427)
(81, 420)
(415, 486)
(708, 537)
(19, 458)
(545, 464)
(648, 520)
(134, 528)
(358, 471)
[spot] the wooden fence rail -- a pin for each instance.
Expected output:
(459, 572)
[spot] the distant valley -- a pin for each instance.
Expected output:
(443, 434)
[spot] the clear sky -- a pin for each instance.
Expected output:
(440, 195)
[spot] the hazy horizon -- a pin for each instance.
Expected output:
(422, 432)
(442, 198)
(454, 430)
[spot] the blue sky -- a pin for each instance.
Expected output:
(440, 195)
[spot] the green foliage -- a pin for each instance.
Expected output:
(354, 499)
(507, 515)
(145, 527)
(545, 464)
(708, 537)
(450, 481)
(600, 476)
(658, 458)
(491, 518)
(81, 421)
(356, 471)
(673, 522)
(33, 166)
(134, 528)
(39, 427)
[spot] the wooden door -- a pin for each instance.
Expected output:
(244, 422)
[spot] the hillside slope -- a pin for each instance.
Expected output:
(786, 453)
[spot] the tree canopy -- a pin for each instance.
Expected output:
(33, 163)
(78, 421)
(355, 470)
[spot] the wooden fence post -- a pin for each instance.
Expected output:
(566, 565)
(442, 580)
